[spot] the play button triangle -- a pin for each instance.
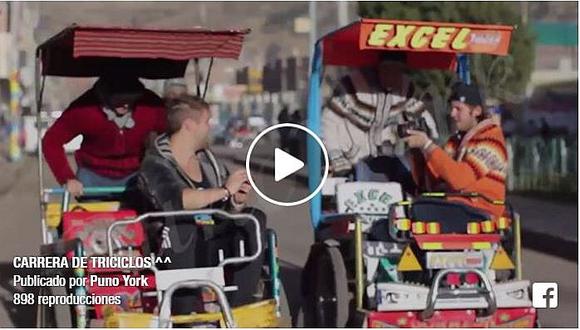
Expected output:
(285, 164)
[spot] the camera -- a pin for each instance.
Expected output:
(417, 124)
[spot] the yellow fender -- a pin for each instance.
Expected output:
(257, 315)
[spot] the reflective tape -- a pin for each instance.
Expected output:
(418, 228)
(502, 223)
(432, 246)
(404, 224)
(487, 226)
(408, 261)
(473, 228)
(433, 228)
(481, 245)
(501, 260)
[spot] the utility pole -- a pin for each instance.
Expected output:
(524, 5)
(313, 32)
(14, 150)
(342, 13)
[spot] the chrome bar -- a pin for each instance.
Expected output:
(227, 261)
(434, 291)
(165, 309)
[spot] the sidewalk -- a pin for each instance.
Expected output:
(547, 226)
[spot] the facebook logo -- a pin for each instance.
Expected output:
(545, 295)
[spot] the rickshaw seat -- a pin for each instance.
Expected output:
(453, 216)
(329, 187)
(368, 198)
(53, 212)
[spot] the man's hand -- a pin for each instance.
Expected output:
(74, 187)
(236, 180)
(241, 197)
(416, 139)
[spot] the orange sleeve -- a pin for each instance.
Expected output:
(458, 175)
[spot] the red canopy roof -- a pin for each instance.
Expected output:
(362, 43)
(155, 54)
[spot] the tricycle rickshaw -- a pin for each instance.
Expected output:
(425, 271)
(102, 228)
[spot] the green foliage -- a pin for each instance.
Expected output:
(502, 77)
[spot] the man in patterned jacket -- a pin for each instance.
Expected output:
(473, 160)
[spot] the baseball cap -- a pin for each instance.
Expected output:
(468, 94)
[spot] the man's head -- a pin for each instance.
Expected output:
(119, 92)
(391, 70)
(189, 116)
(467, 106)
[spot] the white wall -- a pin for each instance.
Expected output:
(6, 44)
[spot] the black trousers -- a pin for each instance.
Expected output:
(199, 248)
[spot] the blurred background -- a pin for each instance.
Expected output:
(533, 92)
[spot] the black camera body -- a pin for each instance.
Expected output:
(417, 124)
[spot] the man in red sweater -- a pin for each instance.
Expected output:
(116, 117)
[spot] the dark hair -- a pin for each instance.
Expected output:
(181, 108)
(119, 90)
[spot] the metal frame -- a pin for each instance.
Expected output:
(314, 117)
(434, 292)
(165, 309)
(234, 217)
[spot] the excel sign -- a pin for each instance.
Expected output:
(431, 36)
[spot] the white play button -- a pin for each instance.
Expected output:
(283, 177)
(285, 164)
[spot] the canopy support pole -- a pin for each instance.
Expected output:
(463, 70)
(39, 82)
(207, 78)
(197, 82)
(313, 153)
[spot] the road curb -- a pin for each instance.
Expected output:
(535, 240)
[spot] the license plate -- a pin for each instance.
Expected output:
(447, 260)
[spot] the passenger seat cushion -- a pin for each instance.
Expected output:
(452, 216)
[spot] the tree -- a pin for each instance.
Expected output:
(502, 77)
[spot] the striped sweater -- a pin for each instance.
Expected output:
(476, 162)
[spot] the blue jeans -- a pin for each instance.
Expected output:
(91, 179)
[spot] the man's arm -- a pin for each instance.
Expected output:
(482, 159)
(197, 199)
(159, 183)
(67, 127)
(457, 174)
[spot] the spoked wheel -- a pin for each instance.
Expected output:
(327, 305)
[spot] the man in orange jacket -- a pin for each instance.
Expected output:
(473, 160)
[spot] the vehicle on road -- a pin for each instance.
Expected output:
(99, 225)
(383, 259)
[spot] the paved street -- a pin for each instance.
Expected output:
(20, 235)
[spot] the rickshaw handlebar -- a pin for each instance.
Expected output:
(88, 190)
(228, 216)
